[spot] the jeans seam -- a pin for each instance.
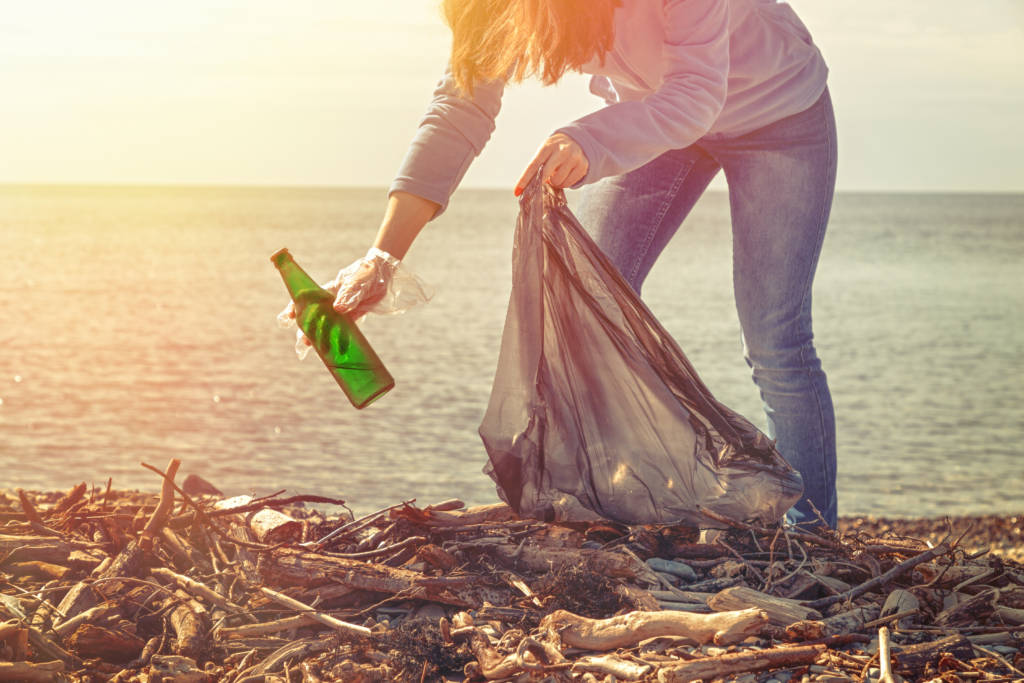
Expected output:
(825, 466)
(659, 217)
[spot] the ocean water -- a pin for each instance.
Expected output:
(138, 324)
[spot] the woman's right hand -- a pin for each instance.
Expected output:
(376, 283)
(361, 285)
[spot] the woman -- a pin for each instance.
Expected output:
(691, 87)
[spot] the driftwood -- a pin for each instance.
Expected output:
(611, 665)
(780, 611)
(740, 662)
(115, 645)
(26, 672)
(325, 619)
(884, 579)
(267, 627)
(844, 622)
(128, 586)
(197, 589)
(297, 568)
(50, 650)
(67, 627)
(15, 639)
(163, 509)
(625, 630)
(446, 515)
(540, 559)
(1010, 615)
(80, 598)
(189, 620)
(918, 657)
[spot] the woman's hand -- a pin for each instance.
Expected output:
(560, 161)
(357, 287)
(376, 283)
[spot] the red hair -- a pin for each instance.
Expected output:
(516, 39)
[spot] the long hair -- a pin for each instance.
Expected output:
(516, 39)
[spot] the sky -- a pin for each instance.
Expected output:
(928, 93)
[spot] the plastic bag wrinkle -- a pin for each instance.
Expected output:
(596, 411)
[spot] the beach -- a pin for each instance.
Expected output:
(108, 585)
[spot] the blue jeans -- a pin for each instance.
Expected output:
(781, 179)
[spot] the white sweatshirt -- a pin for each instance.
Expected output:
(679, 70)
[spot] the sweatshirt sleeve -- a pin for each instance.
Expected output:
(452, 133)
(625, 135)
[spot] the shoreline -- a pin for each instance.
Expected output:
(1001, 534)
(128, 586)
(1004, 530)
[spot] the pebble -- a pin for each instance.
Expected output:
(683, 571)
(684, 607)
(430, 611)
(1005, 649)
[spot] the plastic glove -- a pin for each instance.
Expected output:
(377, 283)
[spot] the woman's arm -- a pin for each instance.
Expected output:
(367, 281)
(626, 135)
(404, 217)
(454, 130)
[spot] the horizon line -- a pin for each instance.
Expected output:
(383, 187)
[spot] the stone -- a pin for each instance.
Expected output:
(176, 669)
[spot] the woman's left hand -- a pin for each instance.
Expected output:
(560, 161)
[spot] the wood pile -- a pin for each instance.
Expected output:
(184, 586)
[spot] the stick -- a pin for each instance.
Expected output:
(266, 627)
(280, 657)
(26, 506)
(163, 509)
(260, 503)
(68, 627)
(325, 619)
(354, 525)
(996, 655)
(201, 515)
(45, 646)
(289, 567)
(197, 589)
(884, 657)
(891, 617)
(69, 499)
(901, 568)
(405, 543)
(740, 662)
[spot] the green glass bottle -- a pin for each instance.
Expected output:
(344, 350)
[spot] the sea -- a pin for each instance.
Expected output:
(138, 324)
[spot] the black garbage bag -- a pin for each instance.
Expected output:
(595, 406)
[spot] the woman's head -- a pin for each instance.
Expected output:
(516, 39)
